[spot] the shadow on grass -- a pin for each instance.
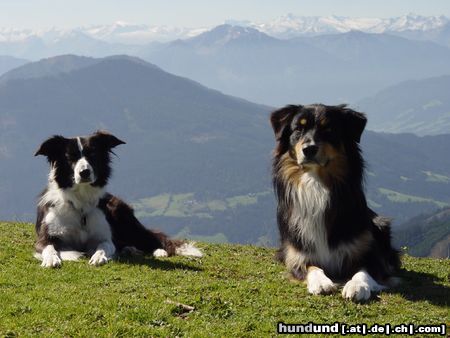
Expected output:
(421, 286)
(161, 264)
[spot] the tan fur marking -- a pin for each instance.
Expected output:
(290, 170)
(293, 258)
(312, 267)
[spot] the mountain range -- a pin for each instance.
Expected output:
(286, 26)
(244, 61)
(8, 62)
(196, 162)
(335, 68)
(426, 235)
(416, 106)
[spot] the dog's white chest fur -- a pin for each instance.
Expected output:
(307, 220)
(74, 217)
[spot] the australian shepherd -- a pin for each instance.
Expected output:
(328, 233)
(75, 214)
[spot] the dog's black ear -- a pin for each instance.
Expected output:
(52, 146)
(281, 118)
(106, 139)
(354, 123)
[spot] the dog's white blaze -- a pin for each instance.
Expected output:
(81, 165)
(80, 146)
(360, 286)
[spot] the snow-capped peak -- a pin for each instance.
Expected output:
(287, 26)
(291, 25)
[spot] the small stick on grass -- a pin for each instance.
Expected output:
(185, 307)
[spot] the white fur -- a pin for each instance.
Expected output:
(80, 146)
(64, 255)
(360, 287)
(105, 252)
(311, 200)
(81, 196)
(65, 222)
(50, 258)
(188, 249)
(160, 253)
(312, 197)
(318, 283)
(81, 165)
(75, 219)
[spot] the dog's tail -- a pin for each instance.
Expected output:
(171, 247)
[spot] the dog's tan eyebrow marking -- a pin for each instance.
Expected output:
(80, 146)
(303, 121)
(323, 122)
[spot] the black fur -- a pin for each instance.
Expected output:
(63, 154)
(347, 216)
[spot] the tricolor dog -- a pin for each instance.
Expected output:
(328, 233)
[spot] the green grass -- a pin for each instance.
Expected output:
(398, 197)
(433, 177)
(235, 290)
(187, 205)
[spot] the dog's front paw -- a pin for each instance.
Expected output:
(356, 290)
(99, 258)
(160, 253)
(318, 283)
(51, 261)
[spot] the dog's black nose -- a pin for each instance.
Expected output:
(310, 151)
(85, 173)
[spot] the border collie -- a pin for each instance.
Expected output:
(328, 233)
(76, 216)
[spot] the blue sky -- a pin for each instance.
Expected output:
(197, 13)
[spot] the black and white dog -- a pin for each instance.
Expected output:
(328, 233)
(76, 216)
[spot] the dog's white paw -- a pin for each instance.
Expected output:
(356, 290)
(318, 283)
(99, 258)
(51, 261)
(160, 253)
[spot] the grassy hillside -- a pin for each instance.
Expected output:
(426, 235)
(234, 290)
(416, 106)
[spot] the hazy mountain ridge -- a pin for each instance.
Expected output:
(196, 161)
(8, 62)
(246, 62)
(332, 68)
(426, 235)
(286, 26)
(419, 106)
